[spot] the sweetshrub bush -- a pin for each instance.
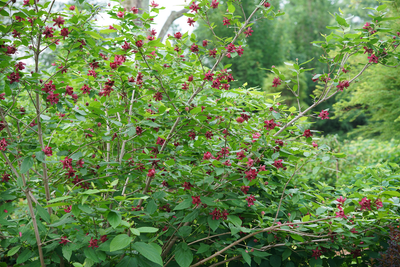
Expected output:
(131, 152)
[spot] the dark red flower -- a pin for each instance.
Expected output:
(14, 77)
(270, 125)
(5, 177)
(72, 8)
(139, 130)
(120, 14)
(194, 48)
(154, 4)
(160, 141)
(342, 85)
(58, 21)
(212, 53)
(251, 174)
(209, 135)
(239, 50)
(373, 58)
(207, 156)
(158, 96)
(266, 4)
(151, 173)
(53, 98)
(126, 46)
(139, 43)
(64, 239)
(68, 90)
(276, 82)
(307, 133)
(245, 189)
(187, 185)
(209, 76)
(16, 34)
(214, 4)
(191, 21)
(194, 7)
(278, 164)
(248, 31)
(365, 204)
(196, 200)
(250, 200)
(323, 115)
(103, 238)
(192, 135)
(316, 253)
(205, 42)
(113, 65)
(67, 163)
(85, 89)
(226, 21)
(48, 32)
(178, 35)
(11, 50)
(93, 243)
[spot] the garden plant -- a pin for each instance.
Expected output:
(129, 151)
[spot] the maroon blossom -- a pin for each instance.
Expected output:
(120, 14)
(214, 4)
(314, 144)
(316, 253)
(139, 43)
(307, 133)
(340, 214)
(194, 7)
(68, 209)
(103, 238)
(365, 204)
(207, 156)
(72, 8)
(278, 164)
(212, 53)
(178, 35)
(191, 21)
(11, 50)
(58, 21)
(216, 214)
(240, 155)
(248, 31)
(48, 32)
(48, 151)
(14, 77)
(245, 189)
(158, 96)
(276, 82)
(368, 50)
(67, 163)
(192, 135)
(187, 185)
(226, 22)
(378, 203)
(64, 240)
(53, 98)
(373, 58)
(79, 163)
(270, 124)
(251, 174)
(194, 48)
(5, 178)
(154, 4)
(250, 200)
(85, 89)
(239, 50)
(151, 173)
(208, 76)
(342, 85)
(2, 96)
(209, 135)
(323, 115)
(93, 243)
(160, 141)
(126, 46)
(196, 200)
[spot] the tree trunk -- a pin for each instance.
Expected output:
(143, 5)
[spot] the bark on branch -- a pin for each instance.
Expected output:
(172, 17)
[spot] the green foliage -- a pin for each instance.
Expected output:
(150, 162)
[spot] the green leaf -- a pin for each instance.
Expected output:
(275, 261)
(64, 220)
(184, 204)
(149, 252)
(339, 155)
(135, 231)
(114, 218)
(183, 255)
(39, 156)
(147, 229)
(203, 248)
(341, 21)
(235, 220)
(58, 199)
(94, 35)
(151, 207)
(27, 163)
(67, 252)
(246, 257)
(119, 242)
(13, 250)
(43, 213)
(213, 223)
(286, 254)
(382, 7)
(231, 8)
(392, 193)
